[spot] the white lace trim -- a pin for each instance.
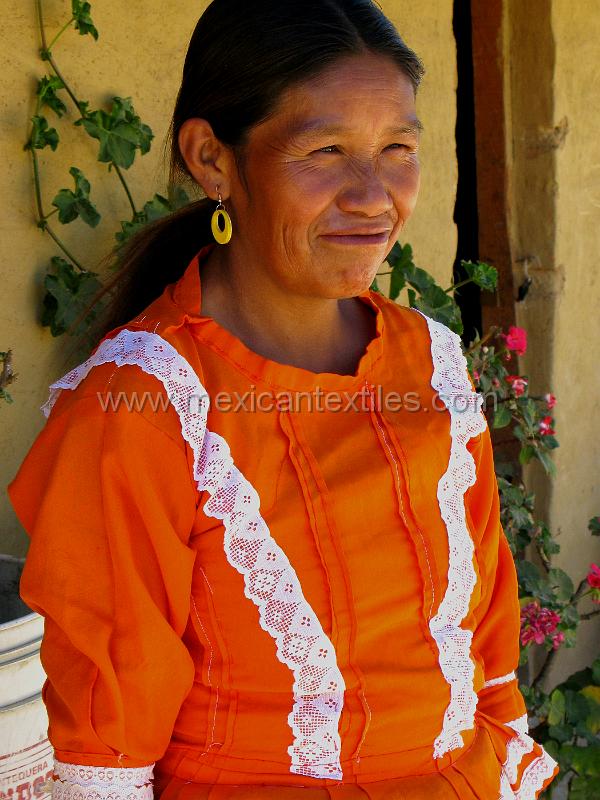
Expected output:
(451, 382)
(77, 782)
(517, 748)
(534, 775)
(270, 580)
(502, 679)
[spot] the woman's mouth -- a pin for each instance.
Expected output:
(354, 238)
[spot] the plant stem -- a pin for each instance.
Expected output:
(48, 57)
(68, 254)
(127, 192)
(41, 220)
(458, 285)
(590, 614)
(545, 668)
(489, 335)
(60, 33)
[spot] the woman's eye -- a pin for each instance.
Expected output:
(331, 148)
(396, 146)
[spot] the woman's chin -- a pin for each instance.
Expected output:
(352, 286)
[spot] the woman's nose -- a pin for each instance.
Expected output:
(365, 193)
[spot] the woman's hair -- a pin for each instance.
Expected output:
(242, 56)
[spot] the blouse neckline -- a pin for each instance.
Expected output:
(187, 294)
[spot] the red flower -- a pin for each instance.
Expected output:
(557, 640)
(550, 400)
(593, 577)
(516, 339)
(517, 383)
(537, 623)
(545, 426)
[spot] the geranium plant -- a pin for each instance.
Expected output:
(565, 718)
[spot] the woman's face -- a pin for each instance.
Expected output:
(331, 178)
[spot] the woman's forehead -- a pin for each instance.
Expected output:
(344, 94)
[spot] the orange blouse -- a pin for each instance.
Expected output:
(257, 576)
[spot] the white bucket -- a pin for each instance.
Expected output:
(25, 752)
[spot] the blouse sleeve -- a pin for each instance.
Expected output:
(108, 500)
(527, 768)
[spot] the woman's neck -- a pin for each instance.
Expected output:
(314, 333)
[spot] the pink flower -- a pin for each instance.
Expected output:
(495, 383)
(593, 577)
(550, 400)
(517, 383)
(545, 426)
(538, 622)
(557, 640)
(475, 375)
(516, 339)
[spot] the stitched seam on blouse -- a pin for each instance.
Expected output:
(450, 380)
(210, 658)
(403, 512)
(305, 468)
(261, 378)
(270, 580)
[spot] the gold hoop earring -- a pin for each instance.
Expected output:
(222, 234)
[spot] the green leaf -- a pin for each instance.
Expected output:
(374, 287)
(76, 204)
(561, 733)
(526, 454)
(42, 135)
(154, 209)
(68, 292)
(484, 275)
(119, 131)
(178, 197)
(437, 304)
(502, 416)
(546, 461)
(570, 616)
(592, 695)
(83, 21)
(583, 788)
(561, 583)
(594, 526)
(556, 712)
(596, 672)
(401, 260)
(584, 760)
(529, 409)
(577, 707)
(46, 91)
(419, 279)
(534, 582)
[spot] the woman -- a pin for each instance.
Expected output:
(259, 578)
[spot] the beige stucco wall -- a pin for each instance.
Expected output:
(140, 53)
(555, 207)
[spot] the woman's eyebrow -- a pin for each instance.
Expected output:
(320, 127)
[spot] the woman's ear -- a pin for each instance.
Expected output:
(207, 159)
